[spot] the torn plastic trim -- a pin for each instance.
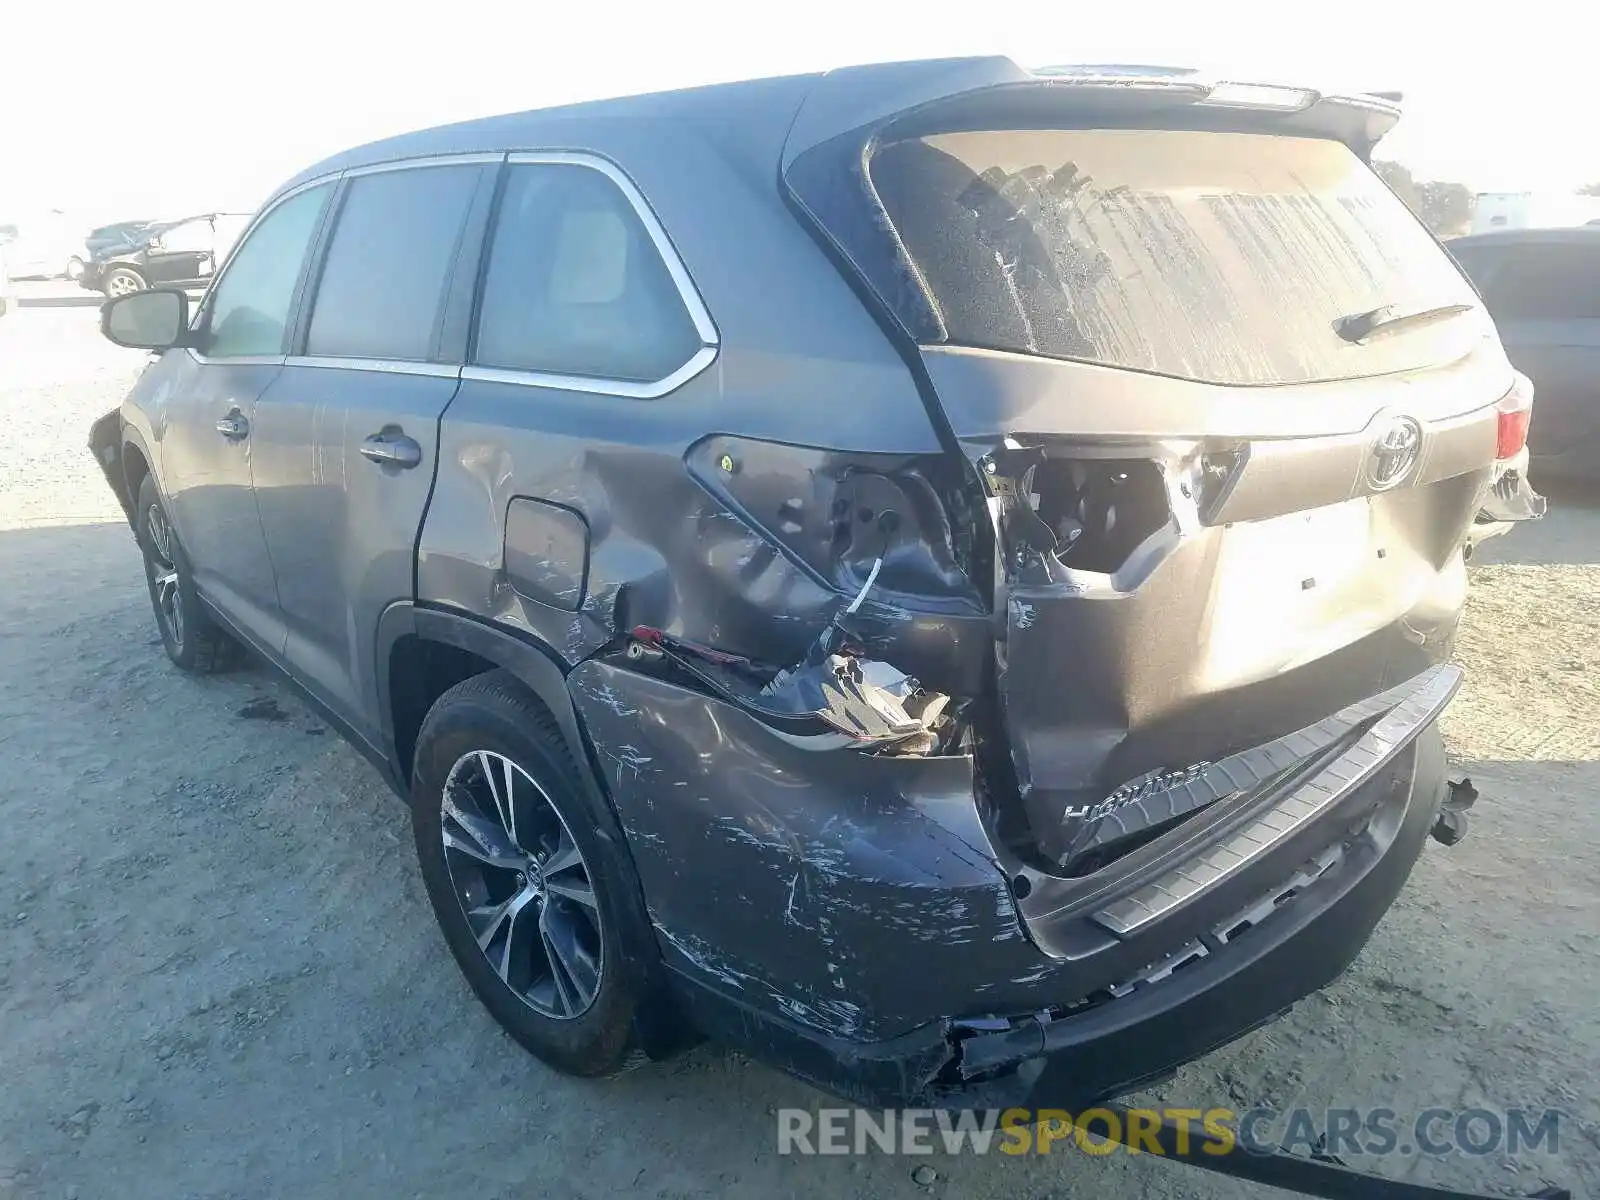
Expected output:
(1511, 499)
(869, 702)
(835, 684)
(1097, 516)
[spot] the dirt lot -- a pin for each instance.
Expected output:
(219, 976)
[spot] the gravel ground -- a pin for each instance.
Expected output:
(219, 975)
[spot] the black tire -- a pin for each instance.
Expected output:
(121, 281)
(193, 639)
(492, 715)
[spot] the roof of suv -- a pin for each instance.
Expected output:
(758, 119)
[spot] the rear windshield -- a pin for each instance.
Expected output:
(1217, 256)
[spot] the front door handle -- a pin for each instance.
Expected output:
(233, 426)
(391, 449)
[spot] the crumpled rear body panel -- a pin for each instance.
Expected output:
(776, 868)
(1221, 638)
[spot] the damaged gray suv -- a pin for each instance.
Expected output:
(938, 574)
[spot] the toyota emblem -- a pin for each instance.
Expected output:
(1393, 453)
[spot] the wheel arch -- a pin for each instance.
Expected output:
(422, 652)
(466, 642)
(135, 466)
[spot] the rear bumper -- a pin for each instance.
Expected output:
(1260, 975)
(1315, 902)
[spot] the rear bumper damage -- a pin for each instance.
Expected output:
(1509, 501)
(848, 917)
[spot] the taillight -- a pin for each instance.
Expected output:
(1513, 413)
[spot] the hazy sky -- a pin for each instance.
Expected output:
(134, 109)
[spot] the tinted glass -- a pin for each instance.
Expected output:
(247, 312)
(1551, 282)
(575, 285)
(1216, 256)
(390, 258)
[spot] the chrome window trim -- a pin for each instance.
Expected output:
(242, 360)
(631, 389)
(432, 160)
(693, 303)
(393, 366)
(634, 389)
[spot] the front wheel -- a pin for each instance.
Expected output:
(192, 638)
(532, 902)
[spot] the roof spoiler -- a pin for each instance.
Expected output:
(966, 90)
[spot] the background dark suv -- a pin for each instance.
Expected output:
(1542, 287)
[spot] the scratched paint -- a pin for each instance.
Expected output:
(888, 906)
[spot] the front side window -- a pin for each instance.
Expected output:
(389, 261)
(575, 285)
(247, 313)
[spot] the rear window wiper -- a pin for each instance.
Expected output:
(1391, 318)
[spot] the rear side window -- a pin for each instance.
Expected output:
(575, 285)
(1557, 281)
(247, 312)
(389, 262)
(1218, 256)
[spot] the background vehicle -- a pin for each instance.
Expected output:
(182, 253)
(1493, 211)
(40, 247)
(103, 241)
(1012, 671)
(1542, 287)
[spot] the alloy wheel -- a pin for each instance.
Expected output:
(522, 884)
(121, 284)
(164, 573)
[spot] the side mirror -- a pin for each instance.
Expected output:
(155, 320)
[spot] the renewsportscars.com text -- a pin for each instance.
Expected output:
(1353, 1132)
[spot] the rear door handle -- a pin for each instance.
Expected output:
(233, 426)
(391, 450)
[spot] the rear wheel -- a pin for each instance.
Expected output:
(192, 638)
(532, 901)
(122, 280)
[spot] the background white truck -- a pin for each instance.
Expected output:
(1532, 210)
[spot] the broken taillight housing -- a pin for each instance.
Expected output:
(1512, 416)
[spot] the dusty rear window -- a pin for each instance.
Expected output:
(1217, 256)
